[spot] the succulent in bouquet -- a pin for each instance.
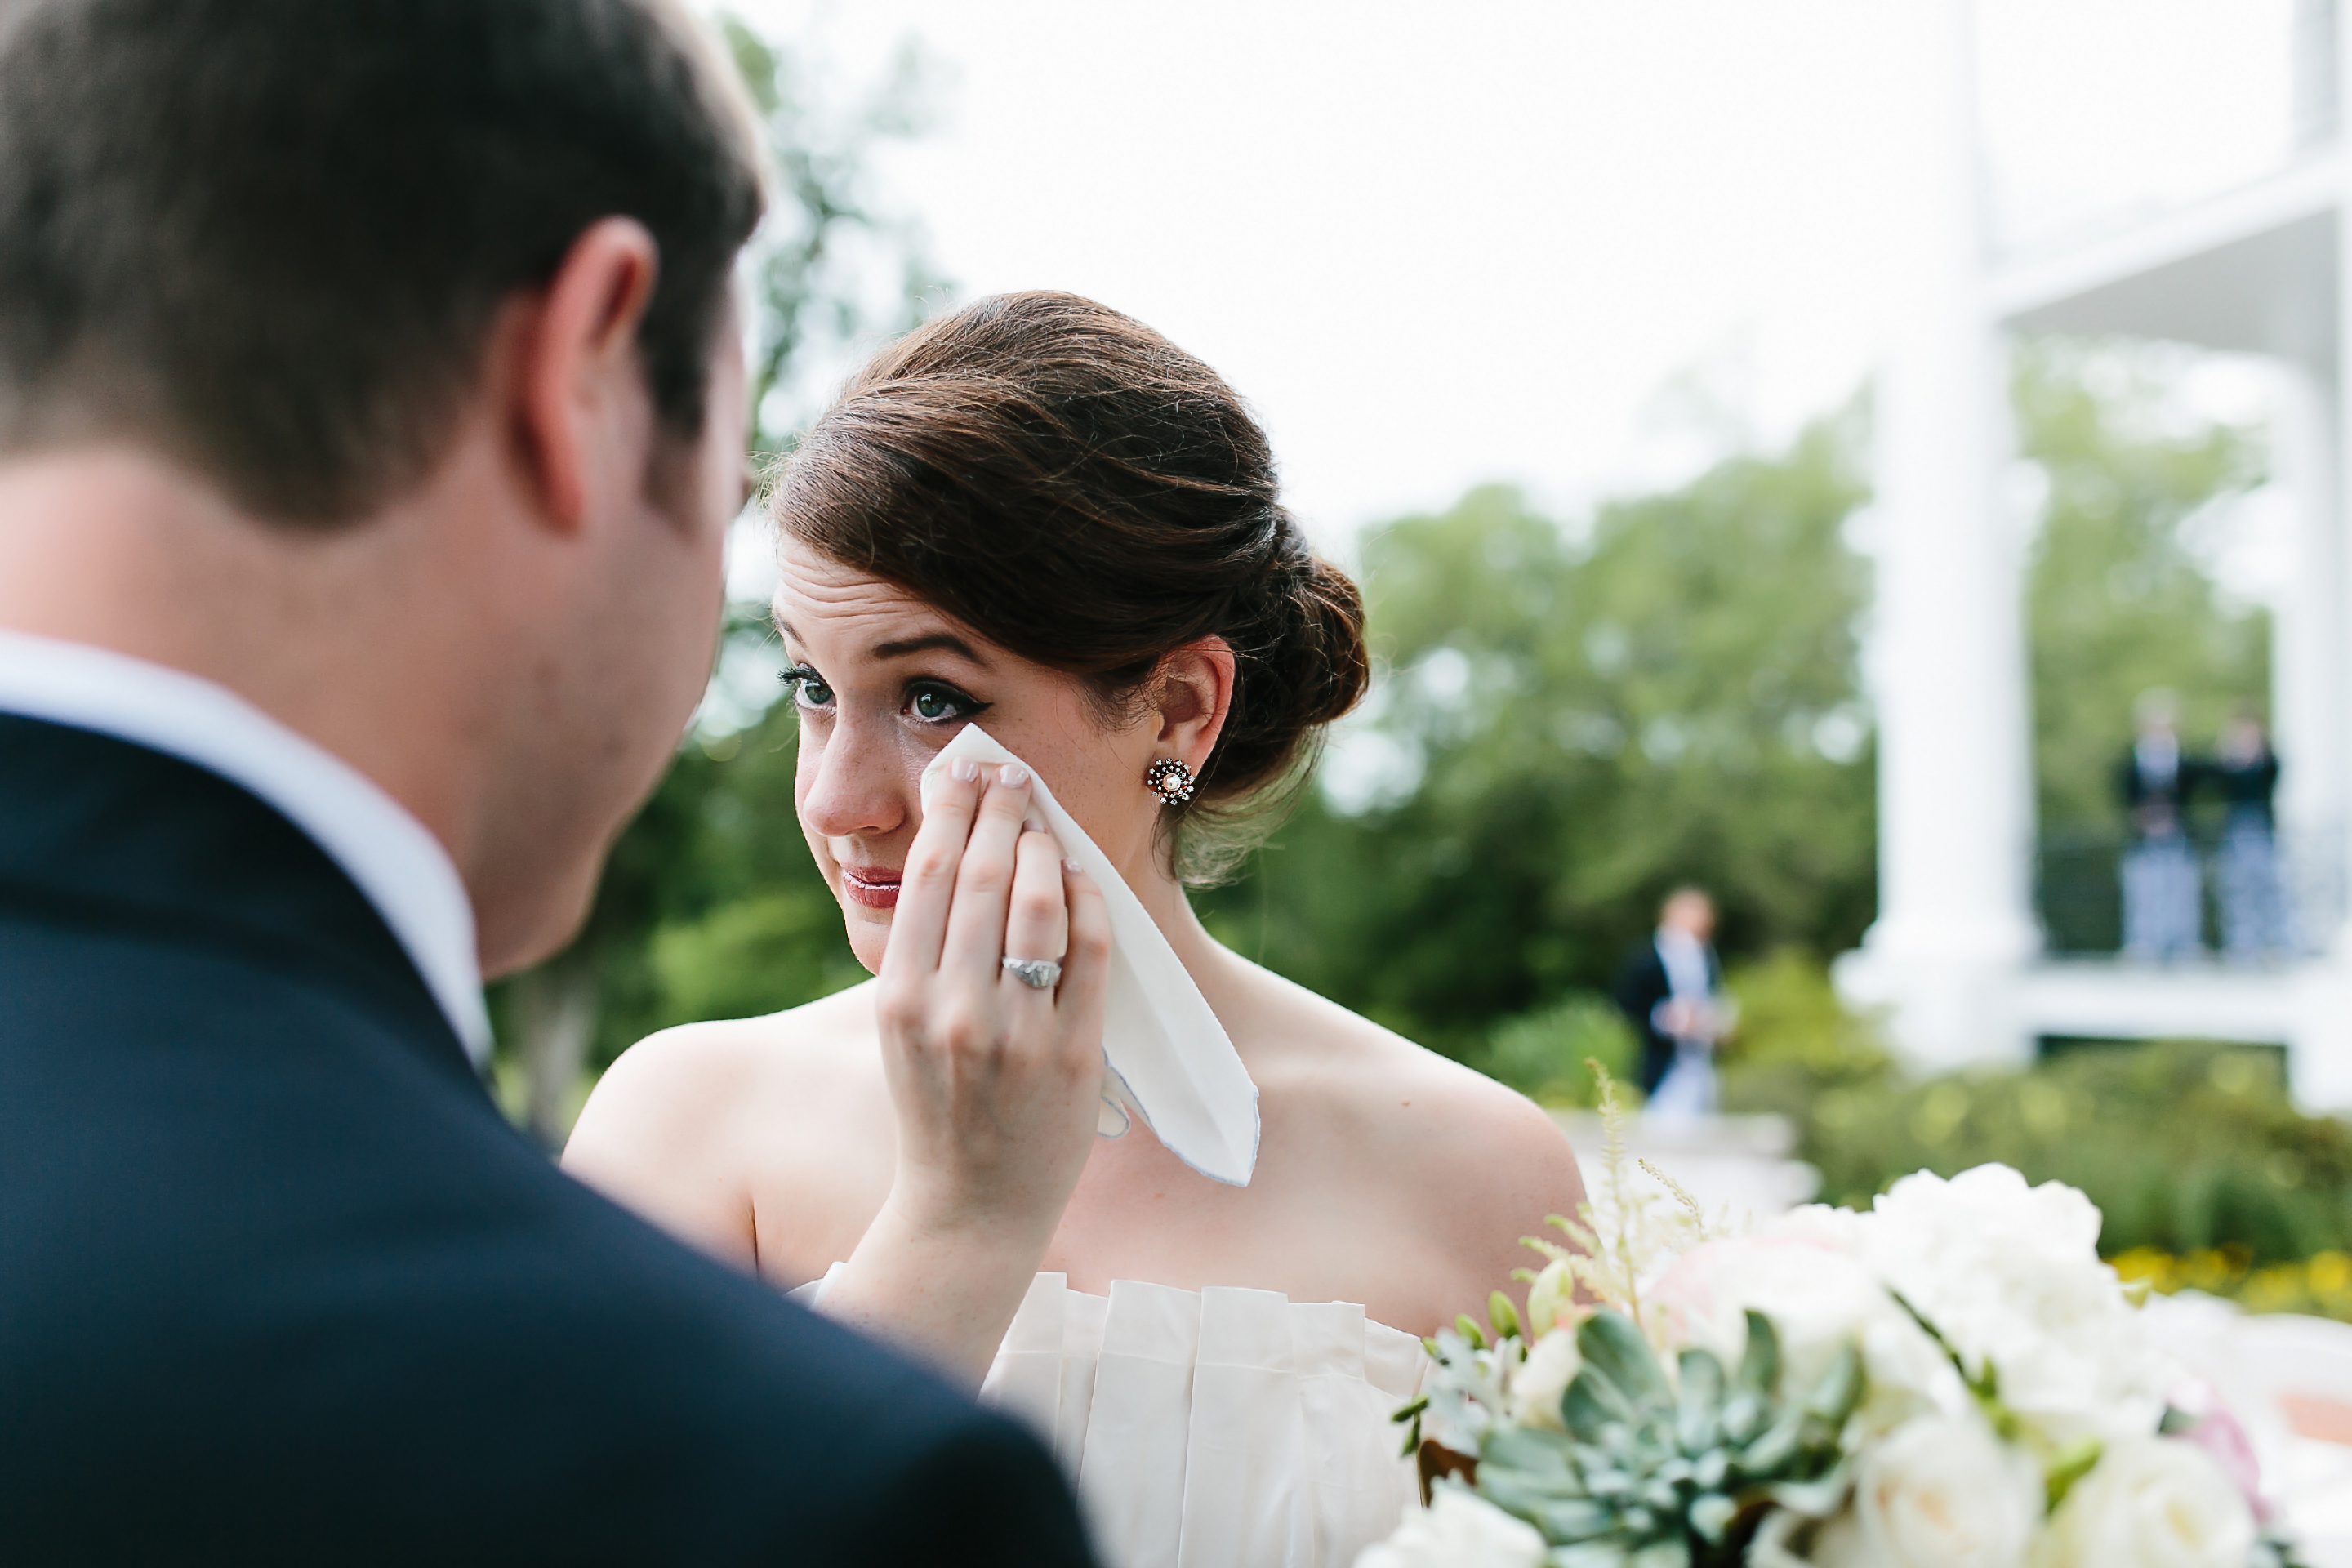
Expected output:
(1952, 1380)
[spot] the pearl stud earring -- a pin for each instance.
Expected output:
(1170, 780)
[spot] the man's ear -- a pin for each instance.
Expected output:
(1195, 696)
(582, 412)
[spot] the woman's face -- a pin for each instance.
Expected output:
(884, 679)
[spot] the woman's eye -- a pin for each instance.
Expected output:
(808, 691)
(940, 704)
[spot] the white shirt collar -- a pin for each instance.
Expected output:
(393, 858)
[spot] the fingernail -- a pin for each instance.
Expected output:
(1012, 775)
(964, 770)
(1073, 868)
(1033, 825)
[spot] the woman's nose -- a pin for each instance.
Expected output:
(857, 784)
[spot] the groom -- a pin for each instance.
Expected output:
(370, 413)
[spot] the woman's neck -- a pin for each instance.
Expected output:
(1213, 966)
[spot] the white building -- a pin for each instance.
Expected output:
(1958, 954)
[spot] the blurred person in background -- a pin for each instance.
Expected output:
(2256, 922)
(1672, 993)
(2163, 897)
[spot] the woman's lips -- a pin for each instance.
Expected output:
(876, 890)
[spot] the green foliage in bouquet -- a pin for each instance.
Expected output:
(1657, 1470)
(1655, 1462)
(1620, 1234)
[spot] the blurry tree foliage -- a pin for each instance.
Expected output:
(1572, 724)
(828, 268)
(2117, 600)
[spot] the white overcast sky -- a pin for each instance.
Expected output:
(1437, 244)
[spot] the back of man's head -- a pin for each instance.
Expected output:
(268, 237)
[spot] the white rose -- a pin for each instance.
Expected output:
(2011, 1275)
(1819, 1296)
(1939, 1493)
(2150, 1502)
(1458, 1530)
(1551, 1365)
(1839, 1229)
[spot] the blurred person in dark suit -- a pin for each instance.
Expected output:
(2257, 922)
(372, 413)
(1670, 991)
(2162, 893)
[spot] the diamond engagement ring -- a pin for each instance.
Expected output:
(1037, 973)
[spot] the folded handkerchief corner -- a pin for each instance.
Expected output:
(1166, 1058)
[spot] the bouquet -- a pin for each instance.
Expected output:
(1952, 1380)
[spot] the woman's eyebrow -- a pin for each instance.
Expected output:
(947, 641)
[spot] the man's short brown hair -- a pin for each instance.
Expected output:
(269, 237)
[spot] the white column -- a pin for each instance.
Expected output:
(2308, 692)
(1947, 667)
(2319, 1056)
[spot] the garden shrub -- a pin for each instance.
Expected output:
(1544, 1054)
(2184, 1145)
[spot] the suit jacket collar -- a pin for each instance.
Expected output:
(101, 831)
(395, 859)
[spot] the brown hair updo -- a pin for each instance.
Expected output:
(1079, 491)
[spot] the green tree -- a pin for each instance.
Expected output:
(828, 266)
(1575, 724)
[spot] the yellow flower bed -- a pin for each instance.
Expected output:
(2321, 1285)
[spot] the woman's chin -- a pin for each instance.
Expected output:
(870, 935)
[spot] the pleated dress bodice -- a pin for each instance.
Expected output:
(1217, 1428)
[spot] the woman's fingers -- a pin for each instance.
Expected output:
(1037, 926)
(983, 885)
(1085, 964)
(927, 884)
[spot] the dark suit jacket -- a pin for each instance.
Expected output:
(2158, 810)
(279, 1284)
(1641, 985)
(2246, 787)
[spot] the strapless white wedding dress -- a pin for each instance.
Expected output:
(1216, 1428)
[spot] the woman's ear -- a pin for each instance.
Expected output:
(1195, 695)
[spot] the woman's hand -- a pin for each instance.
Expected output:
(996, 1082)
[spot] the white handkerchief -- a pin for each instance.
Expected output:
(1165, 1057)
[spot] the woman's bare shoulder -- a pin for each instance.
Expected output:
(679, 1126)
(1395, 1092)
(1436, 1121)
(698, 1073)
(1444, 1152)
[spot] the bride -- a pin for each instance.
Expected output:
(1040, 517)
